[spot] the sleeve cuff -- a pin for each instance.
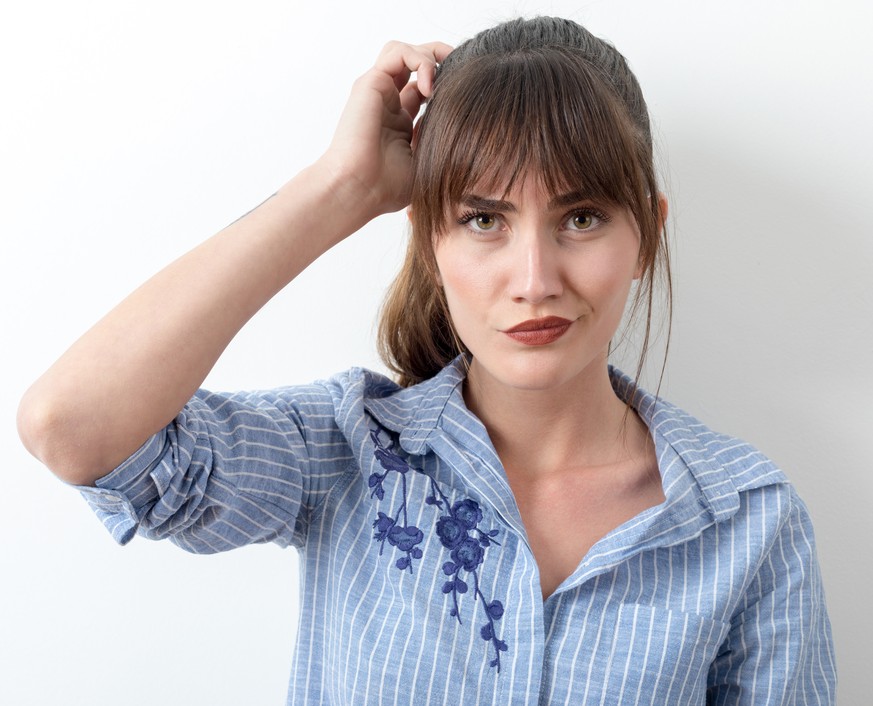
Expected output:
(119, 497)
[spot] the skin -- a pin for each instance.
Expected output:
(531, 259)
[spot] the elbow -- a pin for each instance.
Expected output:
(33, 421)
(51, 435)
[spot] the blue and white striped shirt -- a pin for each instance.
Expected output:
(418, 585)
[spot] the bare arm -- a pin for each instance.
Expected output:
(133, 371)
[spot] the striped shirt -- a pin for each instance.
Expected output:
(418, 584)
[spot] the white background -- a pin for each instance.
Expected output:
(130, 131)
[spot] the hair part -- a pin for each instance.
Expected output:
(541, 98)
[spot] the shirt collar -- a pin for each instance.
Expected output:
(683, 456)
(423, 414)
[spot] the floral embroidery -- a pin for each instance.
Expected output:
(458, 531)
(396, 531)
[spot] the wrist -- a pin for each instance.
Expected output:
(342, 202)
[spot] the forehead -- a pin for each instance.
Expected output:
(505, 177)
(530, 191)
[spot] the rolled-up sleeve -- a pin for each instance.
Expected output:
(229, 470)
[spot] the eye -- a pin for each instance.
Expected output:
(479, 221)
(582, 220)
(585, 219)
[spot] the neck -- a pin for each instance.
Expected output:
(578, 424)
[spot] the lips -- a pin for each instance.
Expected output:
(539, 332)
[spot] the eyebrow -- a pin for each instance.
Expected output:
(482, 203)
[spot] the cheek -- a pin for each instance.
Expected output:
(465, 280)
(607, 272)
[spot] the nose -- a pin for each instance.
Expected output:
(536, 270)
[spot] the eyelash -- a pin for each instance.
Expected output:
(471, 215)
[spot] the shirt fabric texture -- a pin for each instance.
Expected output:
(418, 586)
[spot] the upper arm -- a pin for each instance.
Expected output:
(228, 470)
(779, 649)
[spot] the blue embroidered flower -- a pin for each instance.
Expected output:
(458, 531)
(467, 512)
(450, 531)
(404, 538)
(469, 554)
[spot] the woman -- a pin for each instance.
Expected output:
(515, 521)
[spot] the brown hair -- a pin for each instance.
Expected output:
(541, 96)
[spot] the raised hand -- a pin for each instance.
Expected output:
(371, 149)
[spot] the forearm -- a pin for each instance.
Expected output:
(134, 370)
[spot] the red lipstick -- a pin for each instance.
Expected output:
(539, 332)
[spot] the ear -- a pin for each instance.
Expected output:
(663, 210)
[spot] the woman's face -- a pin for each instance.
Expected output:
(536, 283)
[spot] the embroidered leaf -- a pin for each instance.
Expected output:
(448, 586)
(390, 461)
(460, 586)
(383, 526)
(402, 563)
(449, 568)
(487, 632)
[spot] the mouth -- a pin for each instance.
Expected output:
(539, 332)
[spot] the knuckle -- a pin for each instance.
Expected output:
(393, 46)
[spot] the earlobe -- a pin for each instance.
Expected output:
(663, 209)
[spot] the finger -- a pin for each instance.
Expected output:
(440, 50)
(411, 99)
(427, 72)
(399, 60)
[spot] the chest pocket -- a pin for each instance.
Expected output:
(660, 656)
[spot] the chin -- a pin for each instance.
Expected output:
(534, 372)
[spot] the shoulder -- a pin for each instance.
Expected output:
(359, 392)
(744, 497)
(743, 463)
(727, 475)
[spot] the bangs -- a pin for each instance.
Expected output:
(544, 113)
